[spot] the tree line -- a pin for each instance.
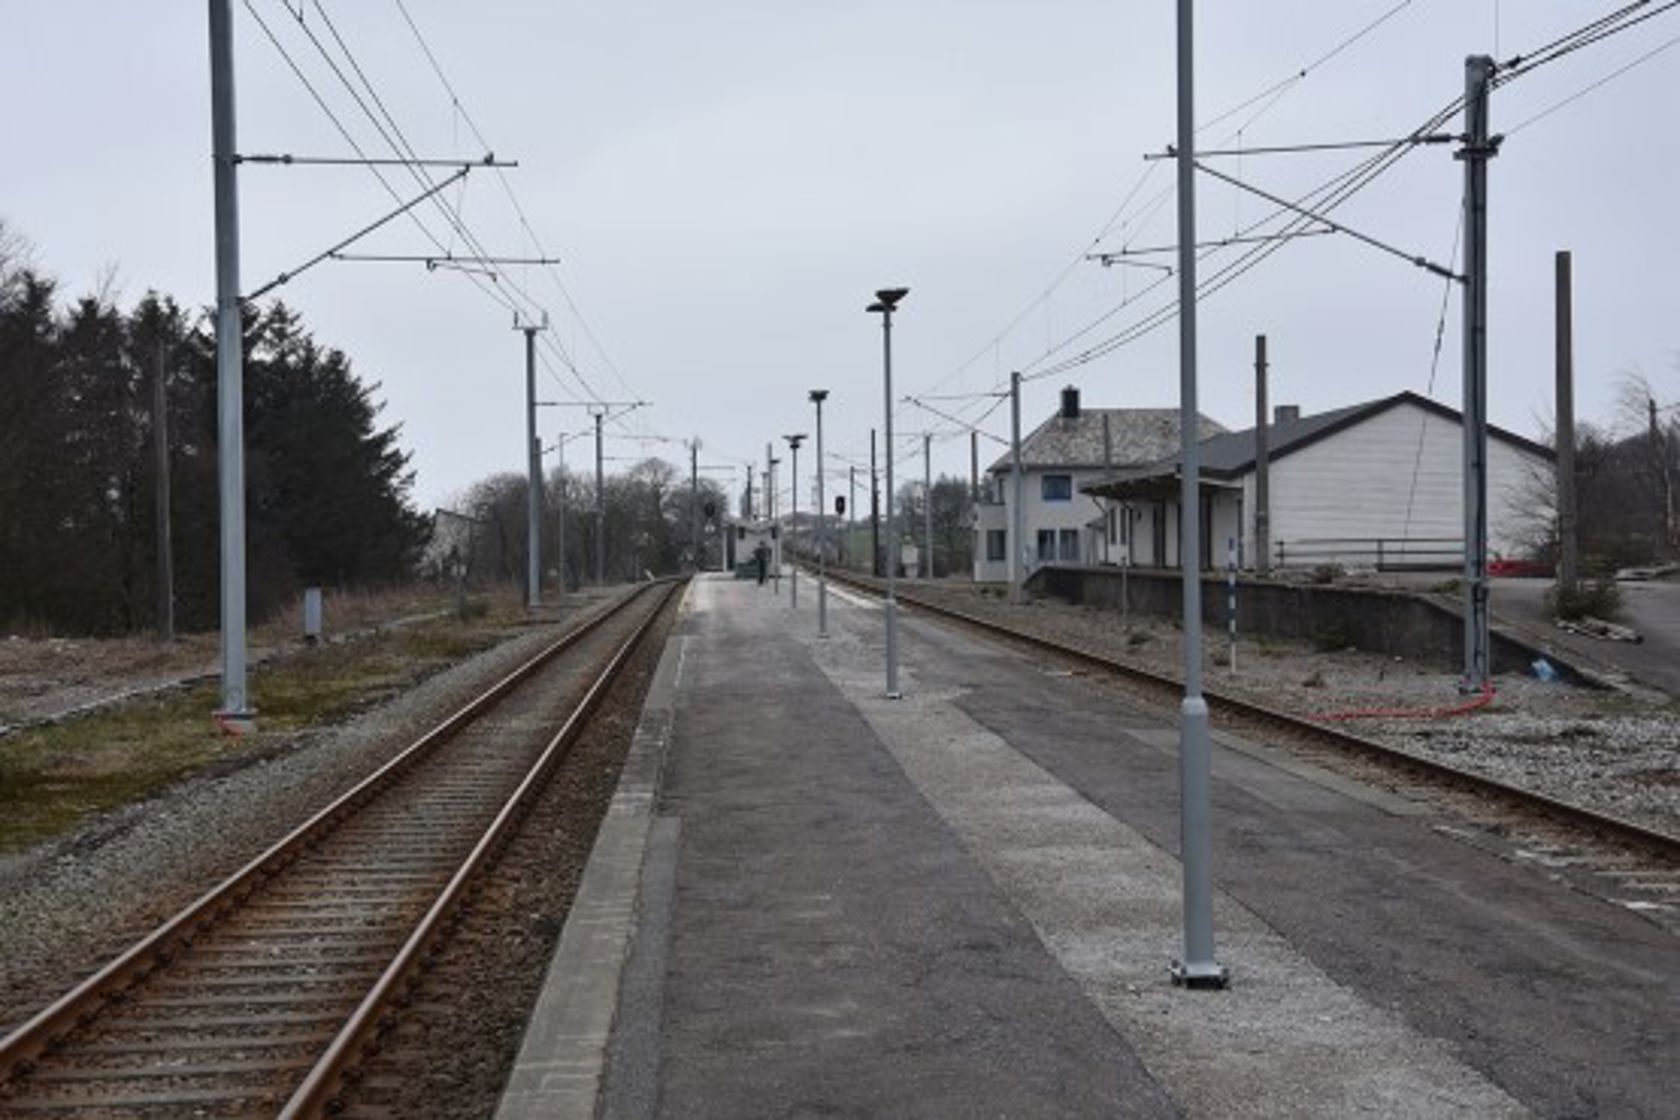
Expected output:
(327, 488)
(644, 523)
(1627, 486)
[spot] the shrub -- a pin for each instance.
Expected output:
(1335, 634)
(1600, 598)
(1328, 573)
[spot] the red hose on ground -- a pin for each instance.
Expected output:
(1481, 700)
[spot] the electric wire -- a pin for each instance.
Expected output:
(513, 198)
(1266, 99)
(521, 302)
(1594, 86)
(348, 137)
(1362, 175)
(1434, 367)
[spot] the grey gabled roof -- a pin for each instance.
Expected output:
(1230, 455)
(1139, 435)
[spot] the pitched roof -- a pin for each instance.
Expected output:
(1139, 435)
(1232, 454)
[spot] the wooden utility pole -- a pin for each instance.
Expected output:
(1262, 463)
(1665, 474)
(1568, 558)
(160, 444)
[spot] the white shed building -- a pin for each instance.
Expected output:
(1374, 485)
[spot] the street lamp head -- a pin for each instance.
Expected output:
(819, 395)
(795, 440)
(887, 299)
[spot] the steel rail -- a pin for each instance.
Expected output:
(1605, 825)
(87, 998)
(315, 1094)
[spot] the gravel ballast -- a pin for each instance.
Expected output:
(72, 903)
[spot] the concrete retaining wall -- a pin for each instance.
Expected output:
(1395, 622)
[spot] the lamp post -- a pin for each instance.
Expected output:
(1198, 969)
(817, 398)
(793, 442)
(885, 301)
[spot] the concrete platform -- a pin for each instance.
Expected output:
(808, 899)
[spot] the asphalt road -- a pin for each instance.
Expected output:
(1653, 609)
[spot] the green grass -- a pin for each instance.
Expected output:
(52, 778)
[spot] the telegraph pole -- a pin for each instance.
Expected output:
(160, 446)
(694, 503)
(927, 500)
(533, 470)
(1198, 969)
(1017, 484)
(600, 503)
(560, 503)
(1262, 463)
(236, 714)
(1478, 149)
(1568, 554)
(851, 508)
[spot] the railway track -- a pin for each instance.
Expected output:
(1662, 845)
(261, 997)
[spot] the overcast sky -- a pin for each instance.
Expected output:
(727, 183)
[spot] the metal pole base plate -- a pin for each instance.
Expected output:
(1208, 976)
(895, 696)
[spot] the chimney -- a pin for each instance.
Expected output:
(1286, 413)
(1070, 403)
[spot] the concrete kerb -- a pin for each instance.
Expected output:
(562, 1059)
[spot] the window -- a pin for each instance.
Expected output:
(1070, 545)
(996, 545)
(1056, 488)
(1046, 545)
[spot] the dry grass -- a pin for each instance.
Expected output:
(53, 777)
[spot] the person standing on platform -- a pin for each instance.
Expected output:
(761, 557)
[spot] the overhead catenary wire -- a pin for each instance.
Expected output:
(493, 283)
(1336, 192)
(513, 198)
(291, 63)
(1614, 23)
(1434, 367)
(1366, 172)
(1265, 99)
(1592, 87)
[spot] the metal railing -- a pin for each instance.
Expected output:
(1385, 554)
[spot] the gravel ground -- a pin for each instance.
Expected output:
(68, 905)
(1614, 751)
